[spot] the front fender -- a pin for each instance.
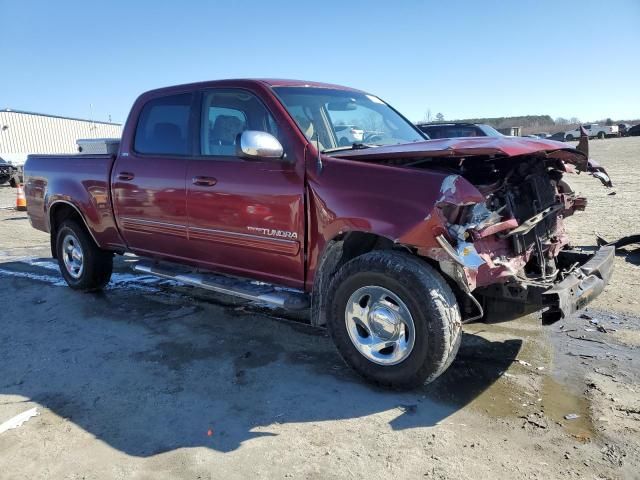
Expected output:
(400, 204)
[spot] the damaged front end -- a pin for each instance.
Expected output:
(496, 227)
(511, 248)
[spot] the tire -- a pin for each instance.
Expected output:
(83, 265)
(601, 135)
(4, 179)
(569, 138)
(415, 287)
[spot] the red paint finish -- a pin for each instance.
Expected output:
(151, 207)
(269, 219)
(227, 221)
(476, 146)
(79, 181)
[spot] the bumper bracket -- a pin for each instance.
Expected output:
(580, 287)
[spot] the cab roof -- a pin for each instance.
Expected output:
(268, 82)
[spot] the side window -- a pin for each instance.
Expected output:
(226, 113)
(163, 126)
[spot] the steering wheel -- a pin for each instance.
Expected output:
(374, 137)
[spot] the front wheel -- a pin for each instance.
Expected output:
(394, 319)
(83, 264)
(569, 138)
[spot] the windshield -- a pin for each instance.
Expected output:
(341, 119)
(490, 131)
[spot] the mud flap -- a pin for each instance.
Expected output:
(580, 287)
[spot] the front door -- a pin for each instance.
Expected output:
(246, 217)
(149, 182)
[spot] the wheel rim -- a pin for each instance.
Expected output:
(380, 325)
(72, 255)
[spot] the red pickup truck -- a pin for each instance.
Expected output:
(391, 242)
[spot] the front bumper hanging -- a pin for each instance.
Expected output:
(581, 286)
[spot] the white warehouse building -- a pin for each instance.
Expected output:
(23, 133)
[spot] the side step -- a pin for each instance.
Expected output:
(282, 297)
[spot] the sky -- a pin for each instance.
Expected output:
(461, 58)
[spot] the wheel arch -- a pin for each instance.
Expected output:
(62, 210)
(349, 245)
(338, 251)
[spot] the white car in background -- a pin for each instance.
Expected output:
(593, 130)
(348, 134)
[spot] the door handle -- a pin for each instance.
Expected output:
(204, 181)
(125, 176)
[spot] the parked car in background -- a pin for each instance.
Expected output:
(623, 129)
(455, 129)
(634, 131)
(391, 244)
(594, 130)
(558, 137)
(348, 134)
(8, 173)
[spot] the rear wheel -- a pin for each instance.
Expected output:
(601, 135)
(394, 319)
(569, 138)
(83, 265)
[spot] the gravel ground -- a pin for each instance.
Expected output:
(153, 380)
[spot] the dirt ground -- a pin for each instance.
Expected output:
(153, 380)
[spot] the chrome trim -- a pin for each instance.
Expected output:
(72, 256)
(245, 235)
(257, 144)
(200, 281)
(138, 225)
(138, 220)
(281, 245)
(380, 325)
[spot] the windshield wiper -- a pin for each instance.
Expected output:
(353, 146)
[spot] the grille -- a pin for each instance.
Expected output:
(531, 197)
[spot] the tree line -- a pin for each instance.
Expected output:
(529, 123)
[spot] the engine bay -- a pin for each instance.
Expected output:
(518, 232)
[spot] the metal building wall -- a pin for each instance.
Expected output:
(24, 133)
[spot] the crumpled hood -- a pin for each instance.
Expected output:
(469, 147)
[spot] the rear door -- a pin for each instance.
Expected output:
(246, 217)
(149, 181)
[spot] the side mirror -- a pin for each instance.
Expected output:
(256, 144)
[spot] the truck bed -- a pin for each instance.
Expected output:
(80, 181)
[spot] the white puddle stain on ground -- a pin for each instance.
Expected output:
(18, 420)
(145, 283)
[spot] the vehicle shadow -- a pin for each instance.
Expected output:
(152, 371)
(632, 256)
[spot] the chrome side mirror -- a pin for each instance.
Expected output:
(254, 144)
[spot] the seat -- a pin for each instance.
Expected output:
(224, 134)
(308, 129)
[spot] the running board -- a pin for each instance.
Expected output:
(288, 299)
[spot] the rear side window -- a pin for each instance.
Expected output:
(163, 126)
